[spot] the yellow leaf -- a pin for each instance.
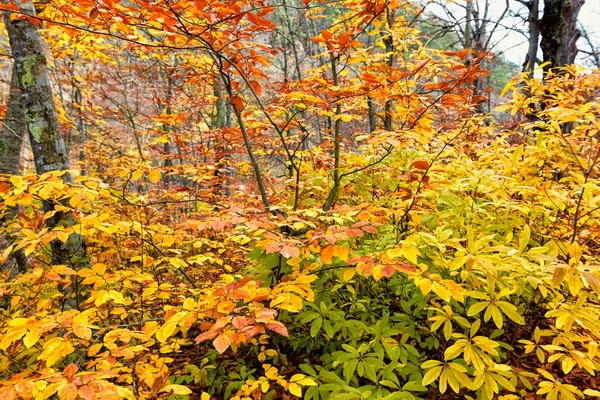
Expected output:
(166, 331)
(17, 181)
(31, 337)
(94, 349)
(205, 396)
(348, 274)
(55, 350)
(137, 175)
(341, 252)
(154, 176)
(177, 389)
(410, 253)
(295, 390)
(395, 252)
(559, 275)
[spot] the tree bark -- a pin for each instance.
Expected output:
(41, 118)
(11, 141)
(36, 93)
(13, 129)
(533, 22)
(558, 28)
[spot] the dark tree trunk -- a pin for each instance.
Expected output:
(558, 28)
(533, 21)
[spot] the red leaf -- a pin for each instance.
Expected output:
(404, 267)
(388, 270)
(369, 229)
(278, 327)
(424, 165)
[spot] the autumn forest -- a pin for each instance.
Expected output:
(280, 199)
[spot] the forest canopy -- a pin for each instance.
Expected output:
(350, 199)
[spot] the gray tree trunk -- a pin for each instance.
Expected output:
(11, 141)
(13, 130)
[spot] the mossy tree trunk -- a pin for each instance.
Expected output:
(41, 118)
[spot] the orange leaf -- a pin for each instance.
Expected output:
(256, 87)
(326, 35)
(424, 165)
(255, 19)
(154, 176)
(420, 66)
(463, 53)
(290, 252)
(218, 225)
(8, 393)
(327, 254)
(221, 343)
(206, 336)
(70, 370)
(404, 267)
(68, 391)
(86, 392)
(237, 102)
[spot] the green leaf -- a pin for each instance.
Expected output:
(316, 327)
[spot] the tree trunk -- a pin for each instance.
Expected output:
(533, 21)
(11, 140)
(558, 28)
(36, 93)
(44, 133)
(13, 130)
